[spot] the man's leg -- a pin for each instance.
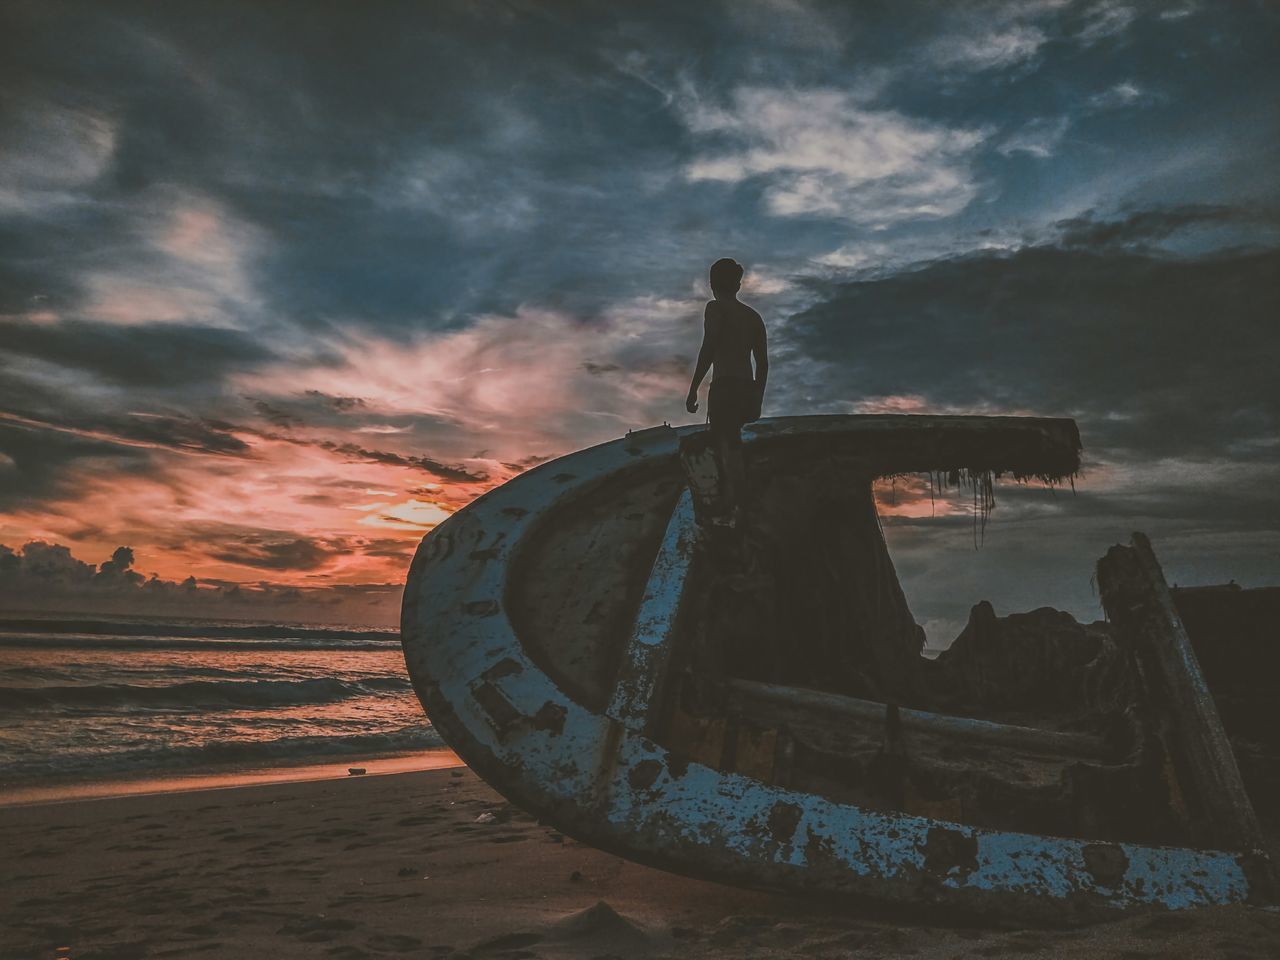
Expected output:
(732, 467)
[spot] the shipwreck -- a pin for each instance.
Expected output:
(746, 700)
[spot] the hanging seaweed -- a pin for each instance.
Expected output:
(961, 452)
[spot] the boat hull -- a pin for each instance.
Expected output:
(597, 775)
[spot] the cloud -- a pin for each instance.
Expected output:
(149, 431)
(533, 381)
(1103, 20)
(1123, 94)
(1190, 228)
(44, 465)
(341, 404)
(1038, 138)
(47, 577)
(794, 23)
(997, 50)
(250, 288)
(1120, 340)
(855, 256)
(274, 415)
(1154, 356)
(877, 257)
(159, 355)
(453, 186)
(411, 514)
(196, 259)
(1179, 12)
(50, 153)
(1144, 228)
(758, 283)
(281, 552)
(443, 471)
(827, 153)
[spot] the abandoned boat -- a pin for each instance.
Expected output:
(741, 695)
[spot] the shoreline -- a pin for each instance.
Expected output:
(153, 783)
(436, 864)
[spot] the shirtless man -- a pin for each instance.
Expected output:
(733, 333)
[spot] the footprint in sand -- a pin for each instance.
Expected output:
(417, 821)
(393, 943)
(1165, 925)
(598, 930)
(506, 943)
(317, 929)
(509, 838)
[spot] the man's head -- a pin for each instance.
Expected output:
(726, 277)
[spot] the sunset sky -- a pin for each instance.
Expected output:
(282, 285)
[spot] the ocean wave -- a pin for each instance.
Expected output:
(164, 757)
(83, 642)
(35, 626)
(200, 693)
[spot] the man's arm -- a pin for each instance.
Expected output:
(760, 350)
(705, 355)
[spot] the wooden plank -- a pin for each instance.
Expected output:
(1138, 603)
(754, 697)
(700, 739)
(755, 751)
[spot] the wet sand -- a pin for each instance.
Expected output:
(149, 783)
(435, 864)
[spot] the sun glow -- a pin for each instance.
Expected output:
(411, 513)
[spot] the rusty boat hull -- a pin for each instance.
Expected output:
(540, 627)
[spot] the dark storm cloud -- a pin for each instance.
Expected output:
(443, 471)
(178, 434)
(403, 165)
(1160, 359)
(48, 577)
(45, 460)
(272, 180)
(416, 166)
(341, 404)
(389, 547)
(315, 408)
(1143, 228)
(274, 415)
(1154, 355)
(47, 563)
(154, 355)
(354, 451)
(282, 551)
(38, 466)
(283, 133)
(289, 553)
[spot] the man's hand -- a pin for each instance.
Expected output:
(691, 401)
(757, 401)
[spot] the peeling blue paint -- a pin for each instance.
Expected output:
(703, 820)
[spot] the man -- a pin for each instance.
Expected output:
(733, 334)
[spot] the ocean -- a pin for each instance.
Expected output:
(107, 697)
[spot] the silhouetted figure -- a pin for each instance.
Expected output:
(733, 334)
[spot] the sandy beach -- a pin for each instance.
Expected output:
(436, 864)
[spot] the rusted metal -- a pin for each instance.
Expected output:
(607, 783)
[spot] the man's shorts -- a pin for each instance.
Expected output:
(731, 402)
